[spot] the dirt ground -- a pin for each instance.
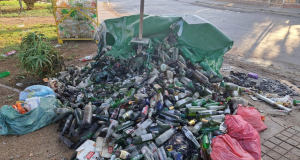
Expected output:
(28, 20)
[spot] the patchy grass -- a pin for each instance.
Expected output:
(11, 35)
(12, 9)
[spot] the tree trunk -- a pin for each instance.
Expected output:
(21, 7)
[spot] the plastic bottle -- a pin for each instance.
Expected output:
(4, 74)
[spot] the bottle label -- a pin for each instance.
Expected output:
(155, 132)
(144, 150)
(147, 137)
(90, 155)
(145, 109)
(154, 124)
(123, 154)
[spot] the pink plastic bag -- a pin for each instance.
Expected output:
(252, 116)
(245, 134)
(226, 148)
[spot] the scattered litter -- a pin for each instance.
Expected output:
(20, 26)
(58, 45)
(9, 53)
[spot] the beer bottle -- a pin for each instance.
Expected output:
(191, 111)
(207, 113)
(125, 116)
(158, 128)
(122, 126)
(143, 138)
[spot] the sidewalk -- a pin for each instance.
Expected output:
(245, 6)
(103, 11)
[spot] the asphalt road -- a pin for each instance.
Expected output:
(264, 39)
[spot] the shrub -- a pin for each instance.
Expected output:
(38, 57)
(30, 4)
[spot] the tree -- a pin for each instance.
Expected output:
(30, 4)
(21, 7)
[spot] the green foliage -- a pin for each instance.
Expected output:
(30, 4)
(12, 9)
(38, 57)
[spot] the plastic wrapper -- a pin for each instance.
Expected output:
(252, 116)
(226, 148)
(245, 134)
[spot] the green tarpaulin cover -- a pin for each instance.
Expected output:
(14, 123)
(199, 41)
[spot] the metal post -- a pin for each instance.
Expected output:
(141, 20)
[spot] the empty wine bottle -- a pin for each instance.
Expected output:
(125, 116)
(191, 111)
(215, 107)
(87, 116)
(110, 129)
(165, 136)
(190, 136)
(143, 138)
(159, 128)
(67, 142)
(87, 134)
(207, 113)
(72, 128)
(135, 115)
(120, 127)
(67, 124)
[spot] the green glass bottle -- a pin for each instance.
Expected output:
(191, 111)
(296, 102)
(122, 126)
(183, 102)
(157, 88)
(125, 116)
(205, 141)
(209, 129)
(127, 131)
(231, 87)
(213, 104)
(216, 108)
(143, 138)
(158, 128)
(199, 102)
(207, 113)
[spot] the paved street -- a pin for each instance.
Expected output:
(265, 39)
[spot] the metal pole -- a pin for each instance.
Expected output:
(141, 20)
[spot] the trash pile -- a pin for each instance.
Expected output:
(165, 108)
(261, 84)
(34, 110)
(160, 100)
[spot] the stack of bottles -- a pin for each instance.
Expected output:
(78, 24)
(144, 108)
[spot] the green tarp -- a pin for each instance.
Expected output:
(14, 123)
(199, 41)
